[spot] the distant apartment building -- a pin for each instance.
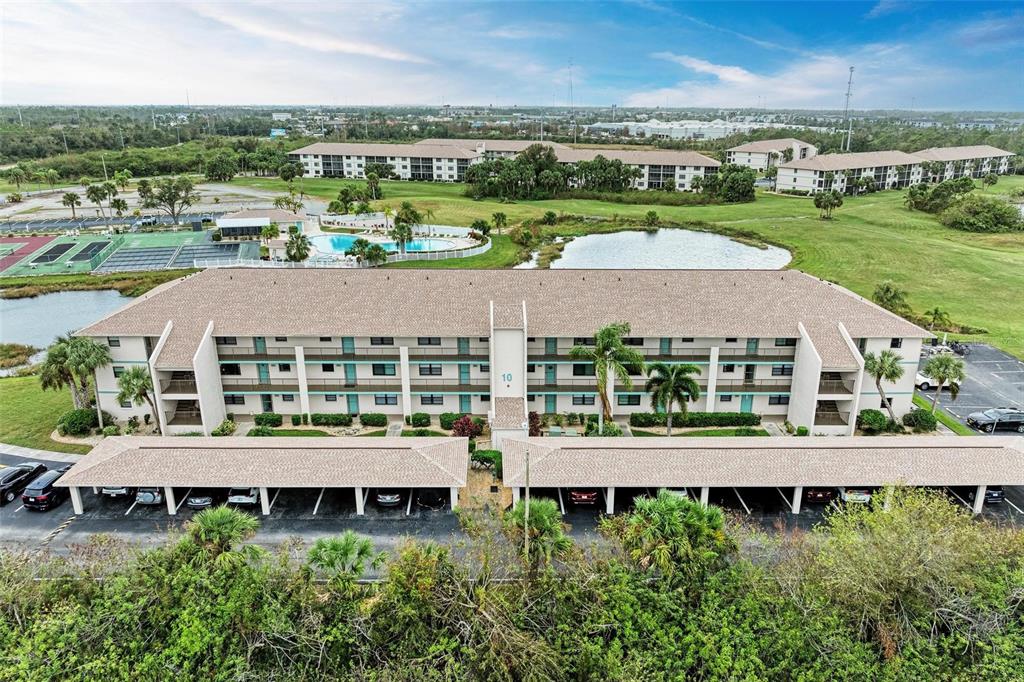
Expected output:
(948, 163)
(763, 154)
(281, 116)
(843, 172)
(446, 160)
(240, 341)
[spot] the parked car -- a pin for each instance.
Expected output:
(117, 491)
(925, 382)
(389, 497)
(997, 419)
(149, 496)
(199, 499)
(993, 494)
(587, 496)
(15, 478)
(244, 496)
(431, 499)
(855, 495)
(41, 494)
(819, 494)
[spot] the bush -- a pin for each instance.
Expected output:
(490, 459)
(419, 420)
(802, 431)
(448, 419)
(112, 430)
(920, 420)
(611, 429)
(982, 214)
(268, 419)
(296, 419)
(77, 422)
(467, 427)
(260, 431)
(226, 428)
(534, 421)
(645, 419)
(872, 421)
(330, 419)
(373, 419)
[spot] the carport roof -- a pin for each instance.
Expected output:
(765, 462)
(273, 462)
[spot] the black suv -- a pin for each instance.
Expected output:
(997, 419)
(14, 479)
(41, 494)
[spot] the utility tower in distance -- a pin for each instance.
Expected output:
(846, 114)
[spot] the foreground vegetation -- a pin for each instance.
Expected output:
(28, 414)
(675, 591)
(128, 283)
(14, 354)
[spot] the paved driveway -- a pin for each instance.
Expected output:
(994, 379)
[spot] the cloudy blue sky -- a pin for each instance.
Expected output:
(929, 55)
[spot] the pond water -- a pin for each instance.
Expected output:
(668, 249)
(36, 321)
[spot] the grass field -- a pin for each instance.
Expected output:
(128, 283)
(28, 415)
(704, 433)
(976, 278)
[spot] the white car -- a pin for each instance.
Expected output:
(925, 383)
(855, 495)
(244, 496)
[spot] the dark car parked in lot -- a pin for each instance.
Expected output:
(997, 419)
(819, 494)
(431, 499)
(14, 479)
(588, 496)
(41, 494)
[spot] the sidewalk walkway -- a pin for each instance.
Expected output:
(772, 428)
(32, 453)
(394, 430)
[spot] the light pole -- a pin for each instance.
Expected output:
(526, 512)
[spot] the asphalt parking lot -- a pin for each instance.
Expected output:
(994, 379)
(60, 224)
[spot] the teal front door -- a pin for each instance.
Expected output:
(353, 403)
(747, 403)
(549, 374)
(550, 404)
(350, 374)
(463, 373)
(463, 346)
(752, 346)
(465, 403)
(268, 402)
(263, 372)
(348, 345)
(260, 344)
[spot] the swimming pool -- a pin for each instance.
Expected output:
(338, 244)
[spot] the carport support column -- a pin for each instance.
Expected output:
(300, 371)
(704, 493)
(455, 497)
(172, 507)
(979, 499)
(359, 501)
(76, 499)
(609, 500)
(709, 393)
(265, 501)
(403, 359)
(516, 492)
(798, 495)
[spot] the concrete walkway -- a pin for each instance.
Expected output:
(772, 428)
(32, 453)
(394, 429)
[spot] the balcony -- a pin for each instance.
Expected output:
(741, 355)
(755, 386)
(829, 418)
(186, 418)
(278, 354)
(835, 387)
(237, 384)
(420, 353)
(336, 354)
(178, 387)
(355, 385)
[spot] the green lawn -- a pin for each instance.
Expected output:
(944, 417)
(974, 277)
(701, 433)
(28, 415)
(408, 433)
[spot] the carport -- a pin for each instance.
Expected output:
(272, 464)
(786, 464)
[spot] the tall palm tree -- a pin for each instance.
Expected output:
(670, 385)
(122, 178)
(401, 233)
(55, 372)
(884, 367)
(610, 357)
(218, 530)
(500, 221)
(297, 248)
(119, 206)
(97, 194)
(547, 532)
(375, 254)
(17, 175)
(344, 558)
(945, 369)
(269, 232)
(937, 317)
(52, 178)
(71, 200)
(136, 386)
(891, 297)
(71, 361)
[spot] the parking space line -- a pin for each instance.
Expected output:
(320, 497)
(131, 507)
(788, 503)
(183, 498)
(18, 509)
(740, 498)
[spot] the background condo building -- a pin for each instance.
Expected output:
(242, 341)
(949, 163)
(763, 154)
(844, 172)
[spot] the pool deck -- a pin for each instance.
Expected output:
(380, 236)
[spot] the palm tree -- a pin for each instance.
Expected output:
(71, 200)
(52, 178)
(17, 175)
(884, 367)
(500, 221)
(668, 385)
(119, 206)
(297, 248)
(122, 178)
(937, 318)
(891, 297)
(945, 369)
(269, 232)
(71, 361)
(372, 184)
(547, 532)
(610, 356)
(96, 194)
(375, 254)
(344, 558)
(401, 233)
(358, 248)
(40, 177)
(218, 530)
(135, 386)
(55, 372)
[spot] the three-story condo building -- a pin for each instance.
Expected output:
(242, 341)
(949, 163)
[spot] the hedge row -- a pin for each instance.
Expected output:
(418, 420)
(447, 419)
(330, 419)
(268, 419)
(81, 422)
(643, 419)
(373, 419)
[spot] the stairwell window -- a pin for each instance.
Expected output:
(113, 342)
(778, 400)
(284, 367)
(382, 341)
(725, 398)
(331, 398)
(896, 343)
(728, 369)
(428, 340)
(327, 367)
(226, 340)
(118, 371)
(583, 400)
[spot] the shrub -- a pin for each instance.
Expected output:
(611, 429)
(331, 419)
(112, 430)
(305, 419)
(268, 419)
(982, 214)
(373, 419)
(296, 419)
(920, 420)
(550, 218)
(488, 458)
(226, 428)
(872, 421)
(260, 431)
(802, 431)
(472, 446)
(77, 422)
(465, 426)
(534, 421)
(645, 419)
(420, 419)
(448, 419)
(216, 236)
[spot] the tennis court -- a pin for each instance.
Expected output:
(20, 248)
(52, 254)
(189, 254)
(89, 251)
(155, 258)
